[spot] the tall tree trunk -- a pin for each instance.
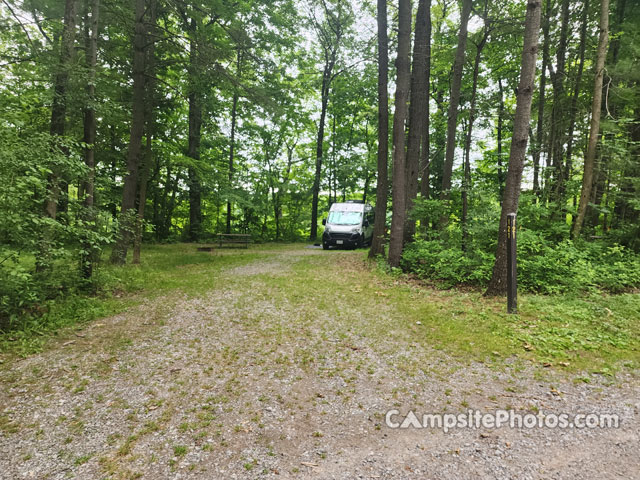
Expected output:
(498, 282)
(454, 101)
(171, 202)
(612, 107)
(537, 148)
(594, 128)
(558, 112)
(425, 142)
(466, 182)
(576, 92)
(59, 188)
(147, 159)
(500, 134)
(399, 193)
(232, 143)
(330, 33)
(334, 163)
(417, 111)
(195, 124)
(55, 185)
(377, 243)
(89, 138)
(127, 219)
(324, 95)
(600, 179)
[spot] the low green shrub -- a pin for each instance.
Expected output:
(543, 266)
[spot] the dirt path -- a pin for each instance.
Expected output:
(264, 378)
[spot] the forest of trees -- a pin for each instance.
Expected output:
(173, 120)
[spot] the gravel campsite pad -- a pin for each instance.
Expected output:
(268, 376)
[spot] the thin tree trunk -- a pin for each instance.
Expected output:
(334, 163)
(171, 204)
(537, 150)
(89, 127)
(576, 91)
(232, 145)
(195, 124)
(558, 112)
(324, 94)
(127, 219)
(399, 193)
(55, 185)
(466, 182)
(587, 179)
(377, 243)
(425, 142)
(417, 112)
(454, 101)
(59, 107)
(500, 132)
(498, 282)
(147, 159)
(161, 231)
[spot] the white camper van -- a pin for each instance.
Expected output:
(349, 224)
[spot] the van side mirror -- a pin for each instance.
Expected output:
(365, 223)
(324, 221)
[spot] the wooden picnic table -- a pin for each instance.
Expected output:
(240, 239)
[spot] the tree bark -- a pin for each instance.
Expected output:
(417, 111)
(232, 143)
(466, 182)
(377, 243)
(594, 128)
(147, 158)
(537, 148)
(425, 158)
(399, 193)
(89, 138)
(195, 124)
(500, 134)
(454, 101)
(127, 219)
(55, 185)
(330, 40)
(325, 88)
(576, 91)
(57, 199)
(498, 282)
(558, 112)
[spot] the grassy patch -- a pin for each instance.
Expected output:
(179, 269)
(333, 304)
(345, 299)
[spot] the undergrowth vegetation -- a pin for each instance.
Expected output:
(548, 263)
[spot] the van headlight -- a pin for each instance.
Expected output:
(327, 229)
(356, 230)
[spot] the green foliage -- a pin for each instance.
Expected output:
(27, 162)
(543, 266)
(447, 265)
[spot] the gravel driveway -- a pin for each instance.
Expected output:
(242, 383)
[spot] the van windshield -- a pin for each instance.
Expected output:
(344, 218)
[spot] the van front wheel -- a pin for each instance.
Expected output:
(325, 246)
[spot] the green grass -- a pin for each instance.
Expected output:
(176, 269)
(596, 333)
(179, 450)
(335, 296)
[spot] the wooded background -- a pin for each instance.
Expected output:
(170, 120)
